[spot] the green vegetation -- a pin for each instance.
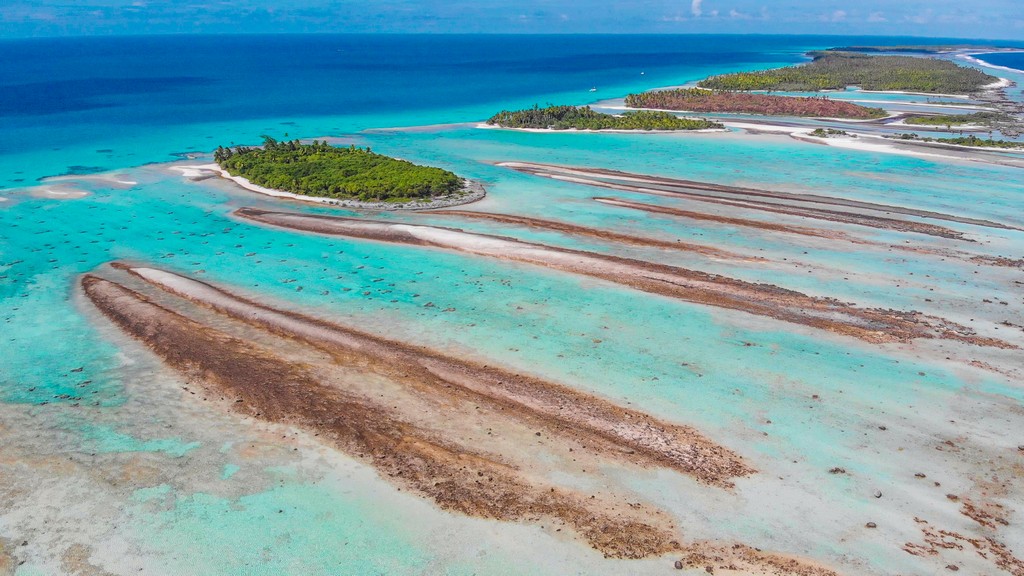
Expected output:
(827, 132)
(982, 118)
(700, 100)
(583, 118)
(319, 169)
(918, 48)
(973, 141)
(839, 70)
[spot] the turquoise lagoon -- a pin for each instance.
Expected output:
(100, 436)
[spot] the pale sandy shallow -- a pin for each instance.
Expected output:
(873, 143)
(474, 191)
(115, 180)
(57, 192)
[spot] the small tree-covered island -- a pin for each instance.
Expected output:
(585, 118)
(351, 174)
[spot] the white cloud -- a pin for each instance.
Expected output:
(837, 16)
(921, 17)
(737, 15)
(695, 7)
(877, 17)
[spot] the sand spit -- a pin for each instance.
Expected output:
(779, 202)
(871, 325)
(555, 226)
(266, 382)
(635, 436)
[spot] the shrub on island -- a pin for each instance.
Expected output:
(700, 100)
(980, 118)
(828, 133)
(322, 170)
(839, 70)
(972, 141)
(585, 118)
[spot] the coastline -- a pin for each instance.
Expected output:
(874, 143)
(471, 192)
(485, 126)
(212, 374)
(972, 57)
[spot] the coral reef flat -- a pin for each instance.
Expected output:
(789, 345)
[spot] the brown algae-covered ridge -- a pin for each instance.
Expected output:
(556, 226)
(269, 387)
(869, 324)
(829, 215)
(259, 380)
(607, 176)
(631, 435)
(733, 221)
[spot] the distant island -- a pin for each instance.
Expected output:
(840, 70)
(701, 100)
(915, 48)
(584, 118)
(972, 141)
(352, 174)
(950, 120)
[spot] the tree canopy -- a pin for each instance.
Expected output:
(584, 118)
(700, 100)
(319, 169)
(839, 70)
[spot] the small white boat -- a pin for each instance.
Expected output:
(594, 89)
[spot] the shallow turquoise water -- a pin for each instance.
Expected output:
(747, 382)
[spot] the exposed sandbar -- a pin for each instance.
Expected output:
(694, 215)
(635, 436)
(602, 234)
(869, 324)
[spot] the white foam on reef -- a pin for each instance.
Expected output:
(973, 60)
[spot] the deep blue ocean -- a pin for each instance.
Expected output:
(1013, 60)
(91, 104)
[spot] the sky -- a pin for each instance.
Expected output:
(992, 19)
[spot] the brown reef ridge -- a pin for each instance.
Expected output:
(870, 324)
(413, 433)
(812, 206)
